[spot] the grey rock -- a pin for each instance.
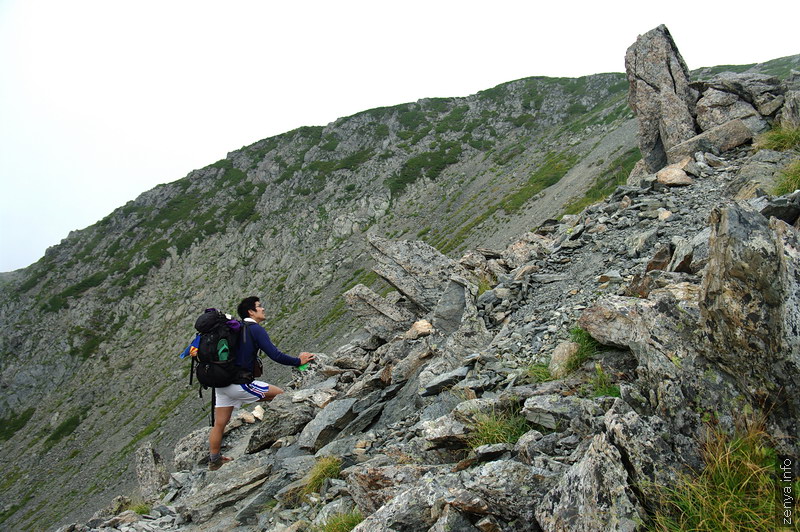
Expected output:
(373, 485)
(449, 310)
(717, 107)
(150, 471)
(592, 495)
(652, 461)
(327, 424)
(717, 139)
(763, 91)
(554, 412)
(283, 418)
(191, 450)
(759, 175)
(786, 208)
(444, 381)
(660, 95)
(750, 307)
(416, 269)
(789, 115)
(382, 318)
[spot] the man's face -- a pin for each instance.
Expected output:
(258, 314)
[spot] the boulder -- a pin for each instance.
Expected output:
(764, 92)
(789, 115)
(380, 316)
(415, 268)
(560, 358)
(718, 139)
(717, 107)
(759, 175)
(660, 95)
(673, 176)
(327, 424)
(283, 418)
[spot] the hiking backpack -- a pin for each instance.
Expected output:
(218, 335)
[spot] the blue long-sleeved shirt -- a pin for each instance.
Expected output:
(255, 338)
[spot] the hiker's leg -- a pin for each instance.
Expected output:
(271, 393)
(222, 414)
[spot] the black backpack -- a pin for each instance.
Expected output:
(216, 353)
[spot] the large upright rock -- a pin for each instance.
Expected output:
(416, 269)
(150, 471)
(659, 95)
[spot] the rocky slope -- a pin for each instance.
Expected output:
(302, 218)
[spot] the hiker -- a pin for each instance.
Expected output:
(254, 338)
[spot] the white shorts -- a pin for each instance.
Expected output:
(237, 395)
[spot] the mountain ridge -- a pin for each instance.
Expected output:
(379, 170)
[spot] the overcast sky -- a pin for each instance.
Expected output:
(101, 100)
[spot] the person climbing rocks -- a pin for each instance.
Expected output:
(254, 339)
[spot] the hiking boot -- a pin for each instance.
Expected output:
(216, 464)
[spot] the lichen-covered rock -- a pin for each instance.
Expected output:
(750, 307)
(660, 95)
(593, 494)
(150, 471)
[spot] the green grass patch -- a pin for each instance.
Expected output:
(736, 491)
(778, 139)
(538, 373)
(553, 168)
(615, 174)
(342, 522)
(498, 426)
(326, 467)
(10, 425)
(587, 347)
(602, 385)
(789, 180)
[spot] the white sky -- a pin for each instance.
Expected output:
(101, 100)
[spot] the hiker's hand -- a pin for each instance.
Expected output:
(306, 357)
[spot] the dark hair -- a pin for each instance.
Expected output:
(247, 304)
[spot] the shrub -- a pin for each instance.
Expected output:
(501, 426)
(789, 180)
(779, 139)
(736, 491)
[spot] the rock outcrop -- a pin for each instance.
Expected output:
(660, 94)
